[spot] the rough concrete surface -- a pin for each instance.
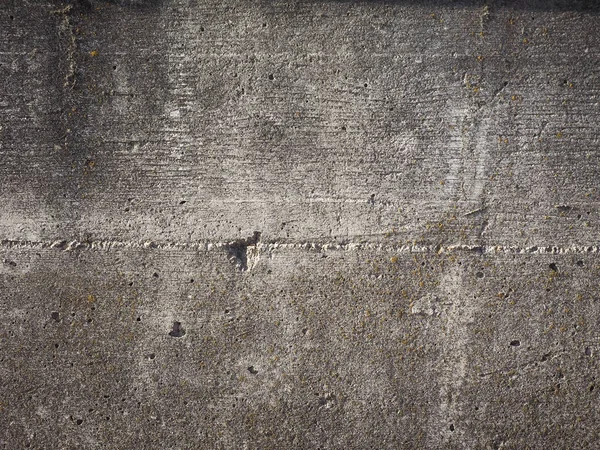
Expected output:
(311, 224)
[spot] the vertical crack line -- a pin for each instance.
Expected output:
(68, 44)
(446, 423)
(483, 18)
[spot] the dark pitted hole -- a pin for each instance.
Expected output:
(151, 356)
(515, 343)
(182, 202)
(271, 77)
(588, 351)
(580, 263)
(55, 315)
(479, 274)
(155, 275)
(177, 330)
(451, 427)
(79, 421)
(553, 267)
(252, 370)
(304, 330)
(592, 388)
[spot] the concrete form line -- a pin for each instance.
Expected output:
(65, 245)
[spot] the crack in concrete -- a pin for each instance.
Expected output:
(66, 29)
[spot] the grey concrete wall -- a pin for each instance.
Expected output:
(299, 224)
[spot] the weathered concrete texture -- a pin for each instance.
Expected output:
(330, 349)
(277, 224)
(379, 118)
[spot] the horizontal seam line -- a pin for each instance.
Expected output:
(100, 245)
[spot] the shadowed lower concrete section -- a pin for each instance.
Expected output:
(314, 224)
